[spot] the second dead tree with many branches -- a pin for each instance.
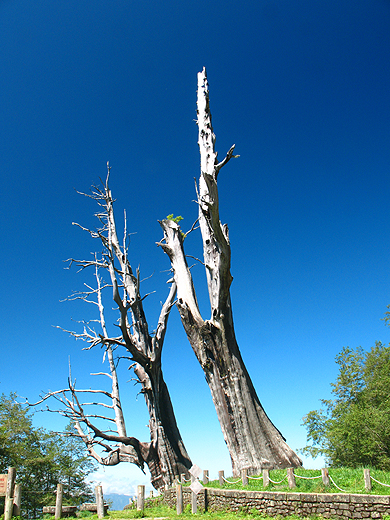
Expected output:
(165, 454)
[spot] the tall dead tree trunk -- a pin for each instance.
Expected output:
(253, 441)
(165, 454)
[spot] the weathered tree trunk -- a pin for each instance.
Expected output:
(253, 441)
(165, 454)
(167, 458)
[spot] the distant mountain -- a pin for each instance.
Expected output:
(118, 501)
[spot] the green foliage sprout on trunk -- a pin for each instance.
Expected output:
(177, 220)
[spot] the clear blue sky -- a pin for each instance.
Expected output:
(301, 87)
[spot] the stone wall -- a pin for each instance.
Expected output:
(329, 505)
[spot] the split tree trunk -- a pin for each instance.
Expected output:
(253, 441)
(167, 458)
(165, 454)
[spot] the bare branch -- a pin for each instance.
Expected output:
(197, 259)
(101, 374)
(193, 227)
(229, 156)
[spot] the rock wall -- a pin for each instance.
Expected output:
(329, 505)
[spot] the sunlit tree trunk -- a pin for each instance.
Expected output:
(253, 441)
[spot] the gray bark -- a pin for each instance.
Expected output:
(165, 453)
(253, 441)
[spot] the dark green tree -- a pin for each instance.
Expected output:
(42, 459)
(353, 429)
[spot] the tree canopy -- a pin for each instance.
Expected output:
(42, 459)
(353, 429)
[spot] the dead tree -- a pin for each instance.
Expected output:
(252, 439)
(165, 454)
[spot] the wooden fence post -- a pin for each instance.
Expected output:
(244, 477)
(221, 475)
(183, 478)
(17, 500)
(9, 497)
(194, 501)
(325, 476)
(205, 476)
(10, 483)
(265, 477)
(291, 478)
(179, 499)
(140, 498)
(59, 495)
(367, 479)
(8, 508)
(99, 501)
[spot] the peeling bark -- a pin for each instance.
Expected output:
(253, 441)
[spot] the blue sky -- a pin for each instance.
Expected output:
(301, 88)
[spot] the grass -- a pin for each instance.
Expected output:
(161, 511)
(348, 479)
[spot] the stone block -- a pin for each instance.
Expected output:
(231, 493)
(276, 495)
(326, 497)
(370, 499)
(293, 497)
(253, 495)
(308, 497)
(333, 498)
(340, 497)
